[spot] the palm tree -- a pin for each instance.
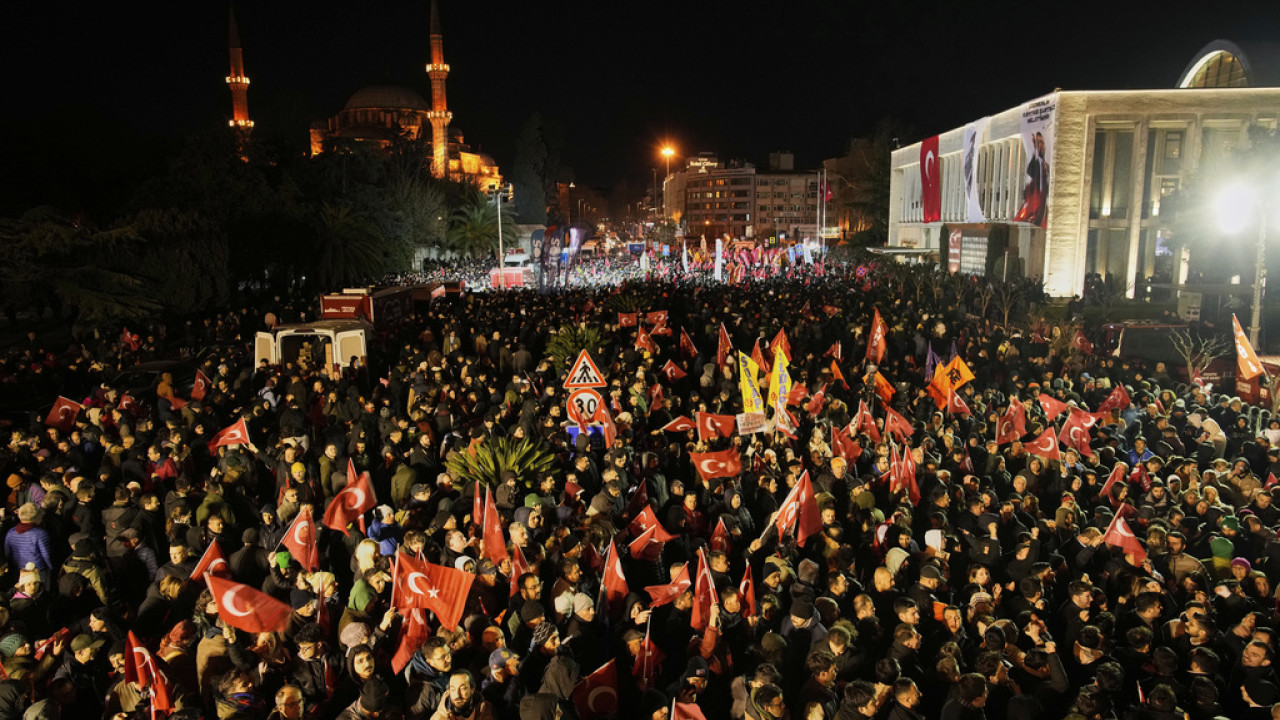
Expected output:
(350, 247)
(473, 227)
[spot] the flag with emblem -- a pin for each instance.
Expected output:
(646, 546)
(301, 540)
(1119, 472)
(711, 426)
(412, 634)
(245, 608)
(1012, 424)
(1117, 400)
(760, 360)
(747, 589)
(213, 561)
(646, 519)
(596, 695)
(780, 343)
(236, 433)
(724, 346)
(1246, 359)
(878, 341)
(668, 592)
(897, 426)
(1045, 446)
(672, 372)
(1052, 407)
(1075, 432)
(656, 317)
(749, 384)
(720, 537)
(814, 406)
(353, 501)
(1120, 535)
(687, 348)
(704, 594)
(800, 510)
(779, 380)
(613, 584)
(63, 414)
(1081, 343)
(844, 445)
(420, 584)
(200, 387)
(628, 319)
(723, 464)
(646, 343)
(519, 566)
(495, 545)
(679, 424)
(865, 423)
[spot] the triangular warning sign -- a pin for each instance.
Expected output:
(584, 374)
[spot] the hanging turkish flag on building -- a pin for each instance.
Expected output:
(1046, 446)
(687, 348)
(63, 414)
(930, 180)
(680, 424)
(352, 502)
(495, 545)
(420, 584)
(1120, 535)
(212, 562)
(723, 347)
(628, 319)
(897, 426)
(1118, 473)
(413, 633)
(1081, 343)
(720, 537)
(201, 386)
(704, 594)
(799, 510)
(646, 520)
(1051, 406)
(865, 423)
(596, 695)
(672, 372)
(663, 594)
(726, 463)
(301, 540)
(1012, 425)
(235, 434)
(878, 341)
(712, 426)
(747, 589)
(614, 582)
(1117, 400)
(1246, 358)
(244, 608)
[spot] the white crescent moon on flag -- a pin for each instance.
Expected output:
(218, 562)
(710, 467)
(413, 585)
(928, 160)
(358, 495)
(298, 535)
(229, 602)
(591, 700)
(1123, 529)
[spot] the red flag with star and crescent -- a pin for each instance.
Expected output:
(1120, 535)
(201, 386)
(646, 520)
(236, 433)
(720, 537)
(687, 348)
(301, 540)
(800, 510)
(596, 695)
(212, 562)
(420, 584)
(844, 445)
(412, 634)
(1045, 446)
(704, 594)
(1117, 400)
(644, 342)
(878, 342)
(352, 502)
(1081, 343)
(519, 566)
(747, 589)
(1012, 425)
(711, 426)
(614, 582)
(865, 423)
(726, 463)
(663, 594)
(672, 372)
(814, 406)
(679, 424)
(1075, 432)
(63, 414)
(724, 347)
(245, 608)
(897, 426)
(1119, 472)
(495, 545)
(1052, 407)
(930, 180)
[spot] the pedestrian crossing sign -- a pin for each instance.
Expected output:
(584, 374)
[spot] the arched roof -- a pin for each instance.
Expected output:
(387, 96)
(1226, 64)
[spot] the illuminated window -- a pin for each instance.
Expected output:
(1218, 70)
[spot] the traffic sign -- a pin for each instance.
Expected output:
(584, 374)
(583, 405)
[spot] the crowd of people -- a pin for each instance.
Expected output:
(869, 552)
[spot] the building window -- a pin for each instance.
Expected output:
(1173, 145)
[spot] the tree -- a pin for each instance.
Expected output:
(529, 170)
(183, 265)
(1007, 296)
(872, 167)
(473, 228)
(1198, 351)
(349, 247)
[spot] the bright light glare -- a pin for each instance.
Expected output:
(668, 151)
(1235, 207)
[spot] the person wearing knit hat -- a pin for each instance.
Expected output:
(12, 643)
(1240, 568)
(545, 635)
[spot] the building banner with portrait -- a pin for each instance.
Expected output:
(974, 133)
(1037, 144)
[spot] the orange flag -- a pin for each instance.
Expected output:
(1250, 367)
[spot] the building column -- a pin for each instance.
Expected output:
(1140, 151)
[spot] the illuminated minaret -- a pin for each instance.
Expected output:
(439, 115)
(238, 81)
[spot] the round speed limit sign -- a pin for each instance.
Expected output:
(582, 405)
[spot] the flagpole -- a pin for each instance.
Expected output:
(395, 571)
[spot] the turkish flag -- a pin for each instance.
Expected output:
(1012, 425)
(836, 351)
(628, 319)
(591, 557)
(646, 520)
(712, 426)
(130, 339)
(301, 540)
(519, 566)
(244, 608)
(930, 180)
(129, 405)
(1119, 535)
(63, 414)
(1046, 446)
(649, 657)
(614, 582)
(413, 633)
(139, 665)
(656, 318)
(844, 445)
(956, 406)
(352, 502)
(799, 509)
(639, 500)
(1247, 360)
(704, 594)
(607, 426)
(495, 545)
(477, 505)
(878, 341)
(896, 425)
(647, 546)
(442, 590)
(814, 406)
(235, 434)
(687, 348)
(212, 562)
(720, 537)
(655, 397)
(726, 463)
(663, 594)
(835, 373)
(644, 342)
(865, 423)
(1118, 473)
(1075, 432)
(596, 695)
(1052, 407)
(201, 386)
(46, 647)
(779, 342)
(796, 394)
(747, 589)
(673, 373)
(902, 473)
(1081, 343)
(176, 402)
(724, 346)
(686, 711)
(1117, 400)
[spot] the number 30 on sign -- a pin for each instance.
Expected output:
(582, 405)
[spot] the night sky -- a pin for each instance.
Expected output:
(102, 82)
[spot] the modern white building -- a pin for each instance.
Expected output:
(1111, 157)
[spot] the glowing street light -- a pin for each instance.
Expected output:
(1237, 205)
(667, 152)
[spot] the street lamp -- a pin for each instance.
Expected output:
(1236, 204)
(498, 192)
(667, 152)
